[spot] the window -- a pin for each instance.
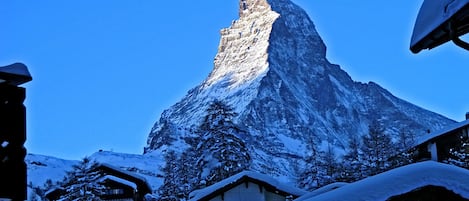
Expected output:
(116, 191)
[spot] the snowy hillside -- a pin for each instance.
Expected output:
(43, 168)
(271, 68)
(147, 166)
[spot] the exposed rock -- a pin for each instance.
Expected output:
(271, 67)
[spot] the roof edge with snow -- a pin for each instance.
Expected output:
(119, 180)
(129, 176)
(402, 180)
(266, 181)
(442, 132)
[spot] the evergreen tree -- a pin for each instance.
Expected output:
(309, 178)
(459, 155)
(351, 163)
(329, 171)
(376, 148)
(219, 115)
(82, 182)
(169, 191)
(405, 141)
(321, 168)
(221, 152)
(187, 170)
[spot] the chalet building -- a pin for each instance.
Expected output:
(436, 145)
(123, 185)
(247, 186)
(55, 193)
(120, 185)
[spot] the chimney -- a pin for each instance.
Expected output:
(467, 115)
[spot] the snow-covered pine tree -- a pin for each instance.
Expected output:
(403, 156)
(459, 155)
(221, 152)
(351, 162)
(169, 191)
(182, 178)
(187, 170)
(218, 115)
(376, 148)
(82, 182)
(405, 140)
(329, 171)
(309, 178)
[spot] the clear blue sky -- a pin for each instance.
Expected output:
(105, 70)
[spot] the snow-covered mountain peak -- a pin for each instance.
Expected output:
(271, 68)
(251, 33)
(243, 57)
(236, 70)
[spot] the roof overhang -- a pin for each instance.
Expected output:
(268, 183)
(441, 133)
(438, 22)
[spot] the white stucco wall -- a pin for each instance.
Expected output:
(433, 151)
(252, 192)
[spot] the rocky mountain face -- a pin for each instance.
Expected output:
(271, 68)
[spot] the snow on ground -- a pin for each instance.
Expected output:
(123, 160)
(401, 180)
(42, 168)
(294, 145)
(147, 165)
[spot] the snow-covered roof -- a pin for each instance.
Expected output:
(433, 14)
(123, 171)
(402, 180)
(446, 130)
(140, 165)
(139, 180)
(119, 180)
(242, 176)
(321, 190)
(15, 74)
(54, 189)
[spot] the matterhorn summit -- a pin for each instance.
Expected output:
(271, 69)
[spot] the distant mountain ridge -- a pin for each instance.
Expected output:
(271, 67)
